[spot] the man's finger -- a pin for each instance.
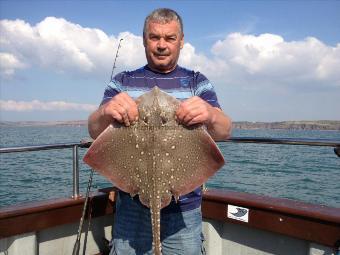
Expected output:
(124, 113)
(129, 104)
(193, 113)
(119, 113)
(196, 120)
(116, 116)
(187, 110)
(133, 112)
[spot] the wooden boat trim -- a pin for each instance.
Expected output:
(36, 216)
(315, 223)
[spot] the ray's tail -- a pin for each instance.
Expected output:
(155, 210)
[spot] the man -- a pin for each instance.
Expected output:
(181, 222)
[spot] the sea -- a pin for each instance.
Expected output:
(305, 173)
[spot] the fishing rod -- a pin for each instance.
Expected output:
(114, 62)
(76, 246)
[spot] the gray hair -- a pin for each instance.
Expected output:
(163, 16)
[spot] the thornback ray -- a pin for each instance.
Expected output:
(157, 157)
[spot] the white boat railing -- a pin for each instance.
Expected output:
(75, 157)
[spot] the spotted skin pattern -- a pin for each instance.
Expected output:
(156, 158)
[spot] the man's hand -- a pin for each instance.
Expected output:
(195, 111)
(121, 108)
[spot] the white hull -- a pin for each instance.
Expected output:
(221, 239)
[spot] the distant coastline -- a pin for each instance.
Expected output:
(42, 123)
(290, 125)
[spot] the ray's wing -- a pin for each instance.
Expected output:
(119, 154)
(188, 157)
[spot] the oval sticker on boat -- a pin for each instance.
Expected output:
(238, 213)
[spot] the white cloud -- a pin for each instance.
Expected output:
(36, 105)
(214, 67)
(267, 59)
(238, 60)
(62, 46)
(9, 64)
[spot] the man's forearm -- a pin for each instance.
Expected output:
(220, 127)
(97, 123)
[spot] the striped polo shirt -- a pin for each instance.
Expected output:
(180, 83)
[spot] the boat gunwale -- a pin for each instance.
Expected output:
(281, 205)
(52, 204)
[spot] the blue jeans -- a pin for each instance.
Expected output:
(181, 232)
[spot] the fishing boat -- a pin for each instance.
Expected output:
(233, 222)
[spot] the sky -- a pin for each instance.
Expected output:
(268, 60)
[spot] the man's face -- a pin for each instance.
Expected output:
(163, 43)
